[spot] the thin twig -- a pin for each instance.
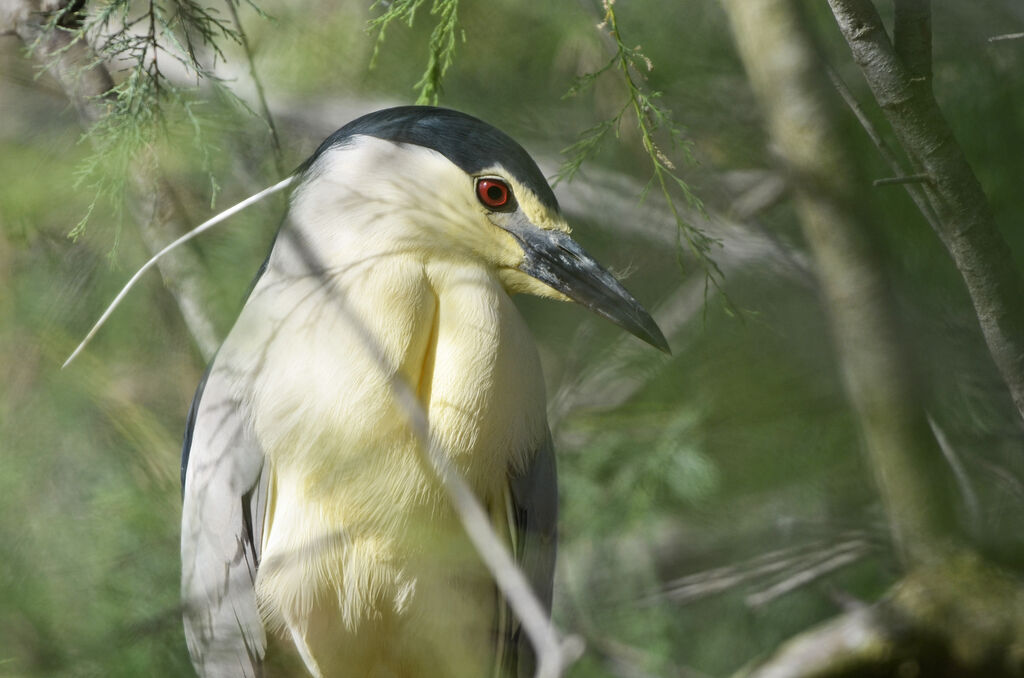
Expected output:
(895, 181)
(1006, 36)
(853, 552)
(963, 482)
(201, 228)
(884, 149)
(790, 563)
(652, 118)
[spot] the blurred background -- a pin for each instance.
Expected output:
(714, 503)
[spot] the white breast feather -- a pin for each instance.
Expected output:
(351, 502)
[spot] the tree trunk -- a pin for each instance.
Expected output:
(785, 71)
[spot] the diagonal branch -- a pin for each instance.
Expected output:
(866, 641)
(966, 224)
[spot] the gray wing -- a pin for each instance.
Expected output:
(224, 499)
(535, 516)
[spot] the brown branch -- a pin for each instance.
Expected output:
(862, 642)
(965, 221)
(86, 82)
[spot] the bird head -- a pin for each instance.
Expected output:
(432, 182)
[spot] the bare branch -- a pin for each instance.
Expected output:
(965, 222)
(861, 640)
(183, 273)
(792, 564)
(958, 617)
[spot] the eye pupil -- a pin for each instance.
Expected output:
(493, 193)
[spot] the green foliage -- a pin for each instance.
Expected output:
(671, 474)
(443, 40)
(88, 496)
(648, 465)
(134, 115)
(651, 117)
(125, 146)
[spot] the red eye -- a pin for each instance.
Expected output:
(493, 193)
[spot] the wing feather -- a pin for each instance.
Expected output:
(224, 496)
(534, 513)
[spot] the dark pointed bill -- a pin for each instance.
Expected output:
(555, 259)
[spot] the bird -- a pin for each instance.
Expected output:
(311, 525)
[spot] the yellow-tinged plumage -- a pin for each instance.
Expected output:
(310, 513)
(428, 297)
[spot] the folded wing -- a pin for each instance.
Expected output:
(224, 500)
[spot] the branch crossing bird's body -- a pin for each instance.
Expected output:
(310, 513)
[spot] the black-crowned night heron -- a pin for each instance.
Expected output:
(309, 514)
